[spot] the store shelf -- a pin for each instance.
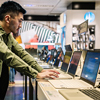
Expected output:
(83, 41)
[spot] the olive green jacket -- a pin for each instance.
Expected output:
(16, 57)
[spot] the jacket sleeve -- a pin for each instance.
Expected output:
(25, 56)
(14, 61)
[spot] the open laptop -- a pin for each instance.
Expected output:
(46, 66)
(67, 63)
(56, 63)
(59, 57)
(88, 77)
(60, 64)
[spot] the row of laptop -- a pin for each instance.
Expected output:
(70, 65)
(85, 65)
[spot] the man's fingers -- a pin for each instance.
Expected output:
(55, 71)
(53, 74)
(52, 77)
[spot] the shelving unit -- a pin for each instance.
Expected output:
(83, 41)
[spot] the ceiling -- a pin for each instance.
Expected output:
(46, 7)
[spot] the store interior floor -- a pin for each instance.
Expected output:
(15, 91)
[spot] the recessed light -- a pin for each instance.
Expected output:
(76, 6)
(29, 5)
(29, 17)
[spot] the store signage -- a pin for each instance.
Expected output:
(89, 16)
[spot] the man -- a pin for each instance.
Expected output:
(11, 53)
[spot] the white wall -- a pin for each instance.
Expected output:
(27, 35)
(76, 17)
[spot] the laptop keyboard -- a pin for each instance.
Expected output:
(94, 94)
(75, 84)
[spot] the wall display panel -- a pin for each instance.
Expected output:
(85, 40)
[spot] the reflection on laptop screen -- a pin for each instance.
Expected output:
(66, 61)
(74, 62)
(91, 66)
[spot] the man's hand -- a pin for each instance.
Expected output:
(50, 70)
(50, 73)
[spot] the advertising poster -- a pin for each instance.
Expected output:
(63, 38)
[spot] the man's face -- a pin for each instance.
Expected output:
(15, 23)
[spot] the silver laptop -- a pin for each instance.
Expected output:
(88, 77)
(81, 94)
(74, 94)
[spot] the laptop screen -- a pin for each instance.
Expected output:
(67, 57)
(91, 67)
(59, 65)
(66, 60)
(74, 62)
(41, 46)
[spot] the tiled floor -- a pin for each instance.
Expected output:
(15, 92)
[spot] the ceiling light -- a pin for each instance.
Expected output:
(29, 17)
(76, 6)
(29, 5)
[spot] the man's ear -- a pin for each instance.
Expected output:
(7, 18)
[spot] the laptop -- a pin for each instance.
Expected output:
(60, 64)
(74, 94)
(56, 63)
(80, 94)
(45, 65)
(67, 63)
(88, 77)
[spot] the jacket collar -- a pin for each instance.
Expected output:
(2, 32)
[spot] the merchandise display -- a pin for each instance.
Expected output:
(88, 77)
(84, 41)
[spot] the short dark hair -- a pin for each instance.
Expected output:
(11, 7)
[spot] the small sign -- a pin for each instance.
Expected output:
(64, 18)
(89, 16)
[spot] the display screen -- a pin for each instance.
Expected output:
(67, 57)
(41, 46)
(66, 60)
(74, 62)
(91, 66)
(56, 62)
(64, 66)
(59, 65)
(32, 51)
